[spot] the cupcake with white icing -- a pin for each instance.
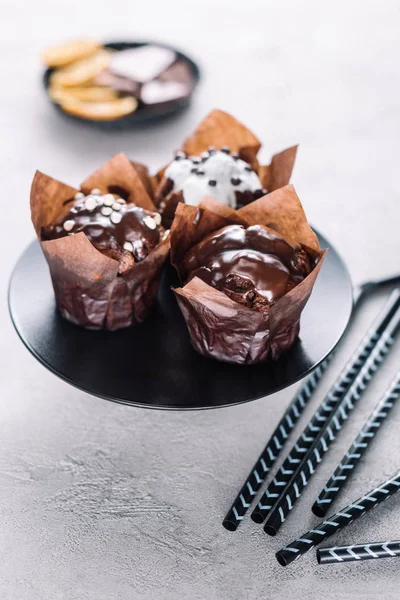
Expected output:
(220, 174)
(219, 160)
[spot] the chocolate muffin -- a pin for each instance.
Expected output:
(125, 232)
(104, 244)
(253, 266)
(246, 275)
(220, 174)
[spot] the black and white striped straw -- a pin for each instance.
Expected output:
(338, 521)
(272, 449)
(370, 551)
(300, 480)
(360, 445)
(320, 418)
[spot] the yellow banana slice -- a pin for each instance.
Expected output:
(90, 93)
(82, 71)
(63, 54)
(100, 111)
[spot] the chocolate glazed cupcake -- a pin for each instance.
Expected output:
(247, 275)
(220, 160)
(105, 244)
(253, 266)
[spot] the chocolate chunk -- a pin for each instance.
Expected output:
(236, 181)
(120, 84)
(212, 182)
(126, 262)
(180, 72)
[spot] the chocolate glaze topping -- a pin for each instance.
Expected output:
(252, 266)
(119, 230)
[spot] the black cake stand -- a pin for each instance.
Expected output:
(153, 365)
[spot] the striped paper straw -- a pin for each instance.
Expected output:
(353, 455)
(338, 521)
(325, 411)
(272, 450)
(339, 554)
(293, 491)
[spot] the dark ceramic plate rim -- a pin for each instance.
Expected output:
(138, 404)
(141, 115)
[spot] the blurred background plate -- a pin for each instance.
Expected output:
(153, 365)
(143, 114)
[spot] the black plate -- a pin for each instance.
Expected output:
(144, 114)
(152, 364)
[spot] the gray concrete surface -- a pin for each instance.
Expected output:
(104, 502)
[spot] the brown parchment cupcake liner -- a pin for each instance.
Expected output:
(88, 289)
(220, 129)
(220, 327)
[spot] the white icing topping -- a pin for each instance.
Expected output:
(220, 167)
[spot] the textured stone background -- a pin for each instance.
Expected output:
(104, 502)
